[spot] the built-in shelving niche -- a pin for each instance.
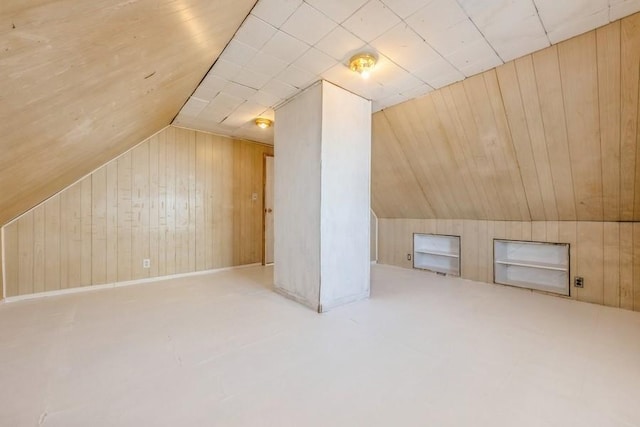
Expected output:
(437, 252)
(532, 265)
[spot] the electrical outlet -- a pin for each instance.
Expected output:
(578, 282)
(146, 263)
(408, 257)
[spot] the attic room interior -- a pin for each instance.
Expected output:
(320, 212)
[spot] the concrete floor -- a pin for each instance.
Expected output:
(223, 350)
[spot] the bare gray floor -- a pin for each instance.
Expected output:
(223, 350)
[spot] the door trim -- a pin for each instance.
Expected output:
(264, 211)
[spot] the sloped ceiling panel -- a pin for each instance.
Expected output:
(551, 136)
(84, 80)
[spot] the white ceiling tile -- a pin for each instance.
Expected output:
(267, 64)
(404, 8)
(210, 87)
(297, 77)
(517, 38)
(476, 55)
(488, 12)
(389, 101)
(340, 44)
(241, 91)
(417, 91)
(620, 9)
(275, 12)
(194, 106)
(405, 48)
(225, 69)
(265, 99)
(251, 79)
(371, 21)
(315, 61)
(238, 53)
(555, 14)
(280, 89)
(457, 37)
(338, 10)
(245, 113)
(254, 32)
(308, 24)
(236, 119)
(341, 76)
(436, 17)
(578, 26)
(268, 114)
(252, 109)
(285, 47)
(439, 73)
(220, 107)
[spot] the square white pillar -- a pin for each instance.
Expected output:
(322, 197)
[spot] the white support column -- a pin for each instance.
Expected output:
(322, 197)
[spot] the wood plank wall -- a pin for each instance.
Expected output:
(606, 254)
(551, 136)
(182, 199)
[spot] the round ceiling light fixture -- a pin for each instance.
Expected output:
(263, 123)
(363, 64)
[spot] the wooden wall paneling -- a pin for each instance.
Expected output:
(514, 230)
(112, 223)
(209, 211)
(444, 226)
(567, 233)
(163, 202)
(628, 275)
(217, 194)
(182, 200)
(89, 94)
(526, 230)
(73, 213)
(435, 140)
(535, 127)
(636, 266)
(579, 72)
(25, 253)
(482, 255)
(53, 226)
(478, 135)
(12, 256)
(124, 217)
(551, 229)
(99, 226)
(517, 194)
(85, 230)
(238, 202)
(608, 50)
(611, 264)
(539, 231)
(227, 196)
(469, 252)
(139, 210)
(590, 254)
(629, 67)
(201, 178)
(475, 205)
(390, 171)
(39, 248)
(172, 201)
(487, 248)
(191, 266)
(154, 207)
(510, 89)
(426, 168)
(552, 109)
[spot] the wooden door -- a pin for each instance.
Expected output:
(268, 210)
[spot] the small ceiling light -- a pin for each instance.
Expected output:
(263, 123)
(362, 63)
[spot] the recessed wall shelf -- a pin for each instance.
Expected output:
(437, 252)
(532, 265)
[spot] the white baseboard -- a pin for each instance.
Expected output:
(122, 284)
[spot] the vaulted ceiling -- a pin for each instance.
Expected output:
(551, 136)
(83, 80)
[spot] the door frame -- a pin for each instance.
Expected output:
(264, 200)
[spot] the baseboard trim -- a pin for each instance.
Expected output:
(122, 284)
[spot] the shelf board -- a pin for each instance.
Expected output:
(560, 289)
(437, 253)
(437, 270)
(533, 264)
